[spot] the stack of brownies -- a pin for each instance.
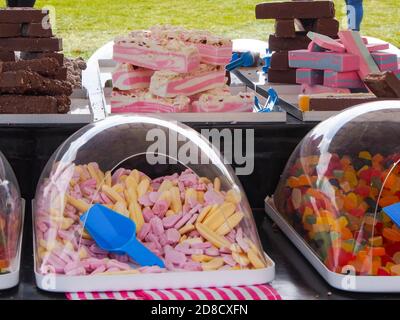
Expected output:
(293, 20)
(33, 78)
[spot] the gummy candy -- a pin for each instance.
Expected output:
(336, 205)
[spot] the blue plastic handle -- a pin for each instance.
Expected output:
(246, 59)
(393, 211)
(116, 233)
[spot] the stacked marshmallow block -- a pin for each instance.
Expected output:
(337, 66)
(171, 69)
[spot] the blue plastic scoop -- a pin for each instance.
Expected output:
(393, 211)
(116, 233)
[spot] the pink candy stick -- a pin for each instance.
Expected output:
(354, 44)
(326, 42)
(128, 77)
(323, 60)
(160, 207)
(372, 47)
(183, 220)
(229, 260)
(100, 269)
(306, 89)
(173, 236)
(157, 226)
(309, 76)
(144, 200)
(176, 257)
(342, 79)
(80, 271)
(386, 61)
(212, 252)
(117, 264)
(170, 221)
(144, 231)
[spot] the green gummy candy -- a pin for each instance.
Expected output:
(338, 173)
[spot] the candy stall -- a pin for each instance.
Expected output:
(130, 194)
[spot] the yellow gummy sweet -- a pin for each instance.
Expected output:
(365, 155)
(213, 264)
(376, 241)
(201, 258)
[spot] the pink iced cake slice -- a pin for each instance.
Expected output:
(142, 101)
(140, 49)
(219, 100)
(213, 49)
(172, 84)
(129, 77)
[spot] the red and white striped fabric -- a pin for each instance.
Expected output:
(257, 292)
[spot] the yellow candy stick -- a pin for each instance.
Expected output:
(203, 213)
(211, 236)
(79, 204)
(143, 187)
(111, 193)
(108, 179)
(230, 223)
(120, 207)
(165, 186)
(220, 216)
(93, 173)
(213, 264)
(176, 203)
(201, 258)
(217, 184)
(185, 229)
(241, 259)
(255, 260)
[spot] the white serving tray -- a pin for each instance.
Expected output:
(146, 281)
(106, 66)
(11, 279)
(349, 282)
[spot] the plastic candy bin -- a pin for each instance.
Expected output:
(188, 206)
(331, 196)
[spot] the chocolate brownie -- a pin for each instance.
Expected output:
(27, 82)
(31, 44)
(47, 67)
(7, 56)
(8, 30)
(18, 104)
(36, 30)
(22, 15)
(297, 9)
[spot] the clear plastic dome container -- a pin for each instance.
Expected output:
(188, 206)
(10, 223)
(335, 185)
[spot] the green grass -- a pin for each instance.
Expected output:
(86, 25)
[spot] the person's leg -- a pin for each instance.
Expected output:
(355, 13)
(12, 3)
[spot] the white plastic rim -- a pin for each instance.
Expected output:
(147, 281)
(11, 279)
(339, 281)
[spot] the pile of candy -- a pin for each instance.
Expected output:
(186, 220)
(169, 69)
(331, 201)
